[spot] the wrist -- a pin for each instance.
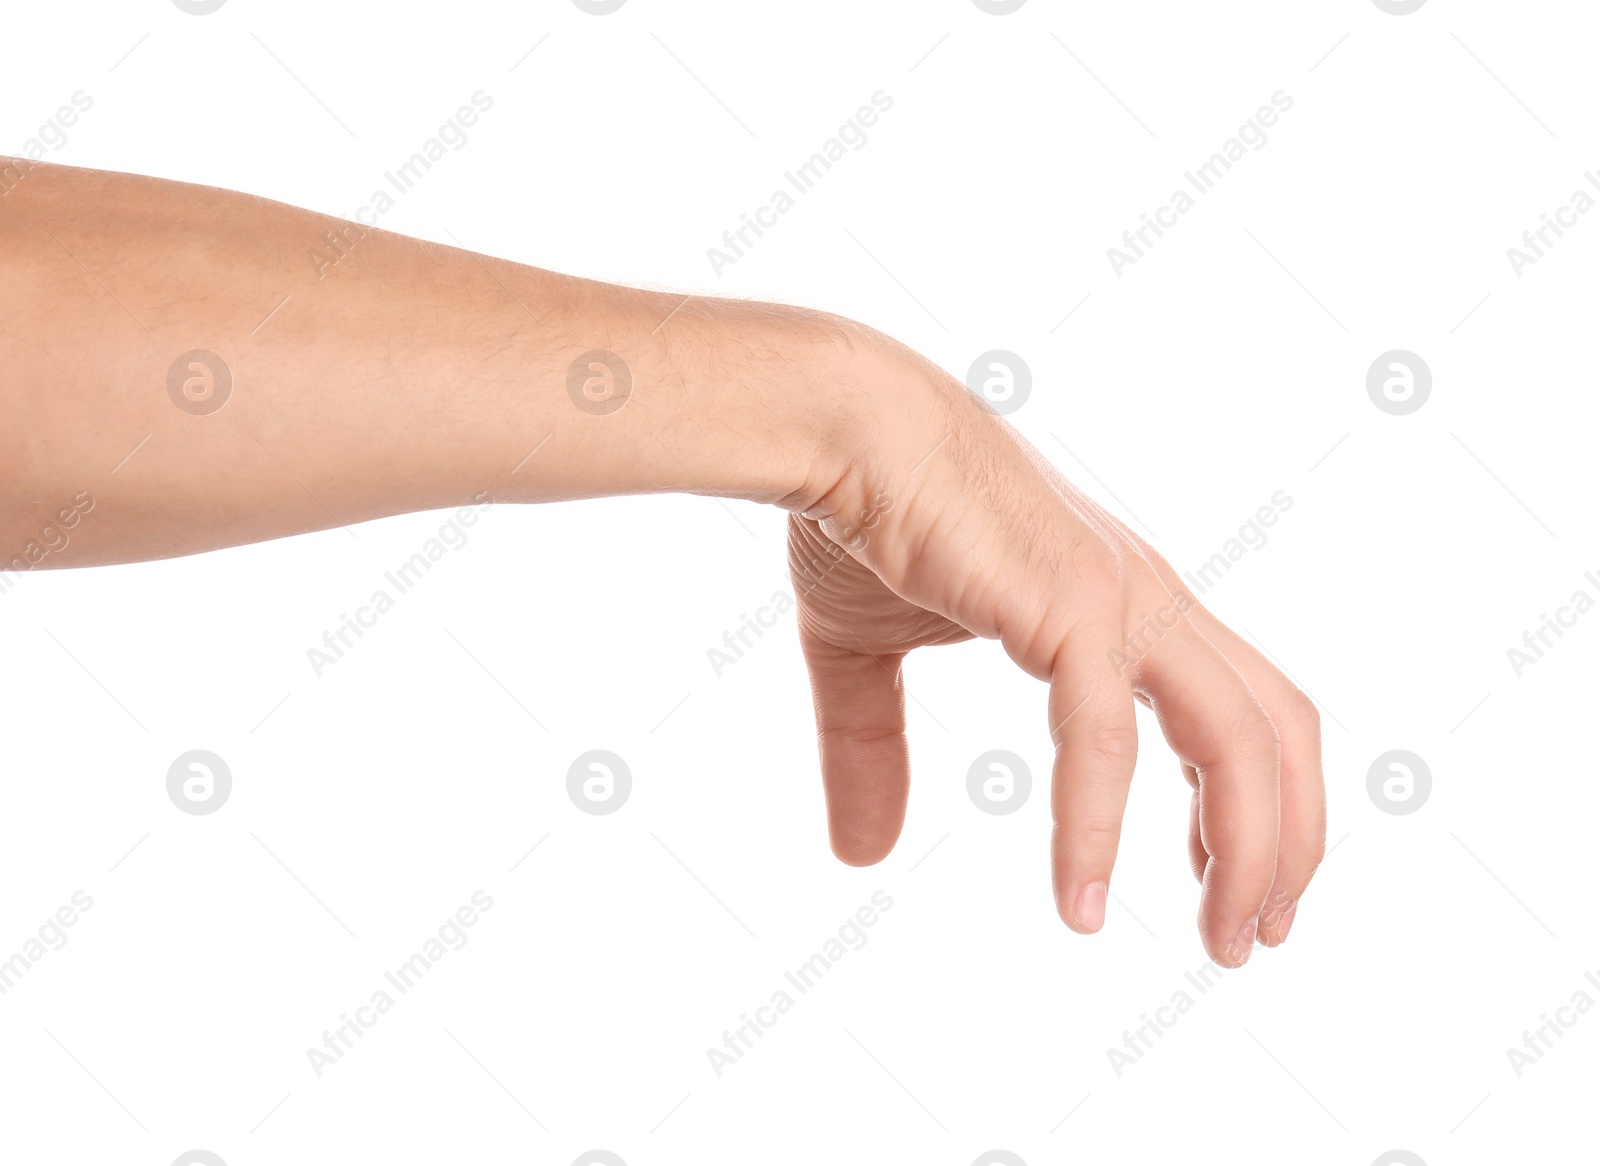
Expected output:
(891, 413)
(769, 403)
(789, 396)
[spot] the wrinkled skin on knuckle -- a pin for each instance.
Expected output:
(1256, 736)
(1252, 863)
(1297, 712)
(1111, 746)
(1100, 572)
(1085, 837)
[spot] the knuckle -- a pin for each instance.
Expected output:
(1111, 745)
(1319, 851)
(1311, 847)
(1158, 561)
(1089, 838)
(1098, 569)
(1255, 867)
(1255, 734)
(1300, 713)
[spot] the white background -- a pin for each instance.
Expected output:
(1228, 364)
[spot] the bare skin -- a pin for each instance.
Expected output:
(401, 375)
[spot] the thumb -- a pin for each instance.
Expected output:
(861, 739)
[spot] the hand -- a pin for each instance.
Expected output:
(926, 515)
(947, 525)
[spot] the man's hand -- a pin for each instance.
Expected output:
(948, 525)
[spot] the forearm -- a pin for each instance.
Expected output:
(389, 375)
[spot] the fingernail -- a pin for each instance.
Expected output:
(1091, 907)
(1244, 942)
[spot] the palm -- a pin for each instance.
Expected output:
(845, 608)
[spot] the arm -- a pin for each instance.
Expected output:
(406, 376)
(410, 376)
